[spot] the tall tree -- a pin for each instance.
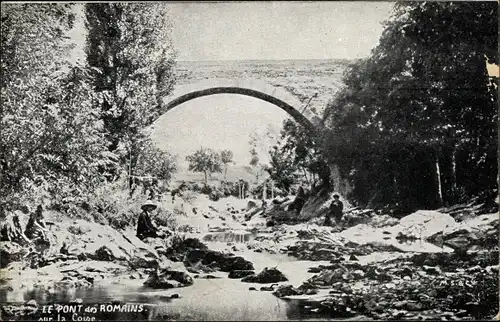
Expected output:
(206, 161)
(52, 140)
(130, 52)
(416, 121)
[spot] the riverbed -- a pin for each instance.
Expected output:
(219, 298)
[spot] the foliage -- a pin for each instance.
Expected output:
(204, 160)
(130, 52)
(422, 101)
(153, 161)
(255, 161)
(297, 156)
(282, 169)
(226, 157)
(57, 130)
(52, 138)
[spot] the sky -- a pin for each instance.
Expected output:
(277, 29)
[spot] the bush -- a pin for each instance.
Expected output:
(166, 218)
(206, 189)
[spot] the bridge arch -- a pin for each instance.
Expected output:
(268, 93)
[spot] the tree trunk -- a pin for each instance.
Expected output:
(438, 176)
(206, 179)
(454, 173)
(305, 175)
(225, 174)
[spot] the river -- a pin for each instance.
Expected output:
(208, 299)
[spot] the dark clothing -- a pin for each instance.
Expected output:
(328, 221)
(335, 211)
(145, 227)
(32, 230)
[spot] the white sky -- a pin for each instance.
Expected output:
(277, 29)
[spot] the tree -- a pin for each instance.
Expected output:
(297, 156)
(420, 107)
(52, 139)
(155, 162)
(205, 160)
(130, 52)
(226, 157)
(281, 168)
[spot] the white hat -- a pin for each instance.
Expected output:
(148, 203)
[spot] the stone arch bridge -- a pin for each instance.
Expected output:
(276, 95)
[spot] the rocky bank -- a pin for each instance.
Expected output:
(443, 264)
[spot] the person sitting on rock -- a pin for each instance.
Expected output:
(335, 211)
(145, 226)
(36, 229)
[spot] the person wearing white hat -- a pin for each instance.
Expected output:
(145, 226)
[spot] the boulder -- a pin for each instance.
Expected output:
(327, 277)
(424, 224)
(380, 221)
(268, 275)
(144, 258)
(167, 278)
(458, 243)
(225, 262)
(240, 273)
(10, 252)
(287, 290)
(251, 204)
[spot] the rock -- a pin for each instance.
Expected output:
(174, 296)
(314, 270)
(311, 291)
(208, 277)
(287, 290)
(240, 273)
(268, 288)
(353, 258)
(406, 271)
(167, 278)
(380, 221)
(424, 223)
(107, 253)
(327, 277)
(432, 270)
(252, 288)
(76, 301)
(384, 277)
(31, 303)
(143, 258)
(10, 252)
(458, 243)
(225, 262)
(268, 275)
(358, 274)
(251, 204)
(413, 306)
